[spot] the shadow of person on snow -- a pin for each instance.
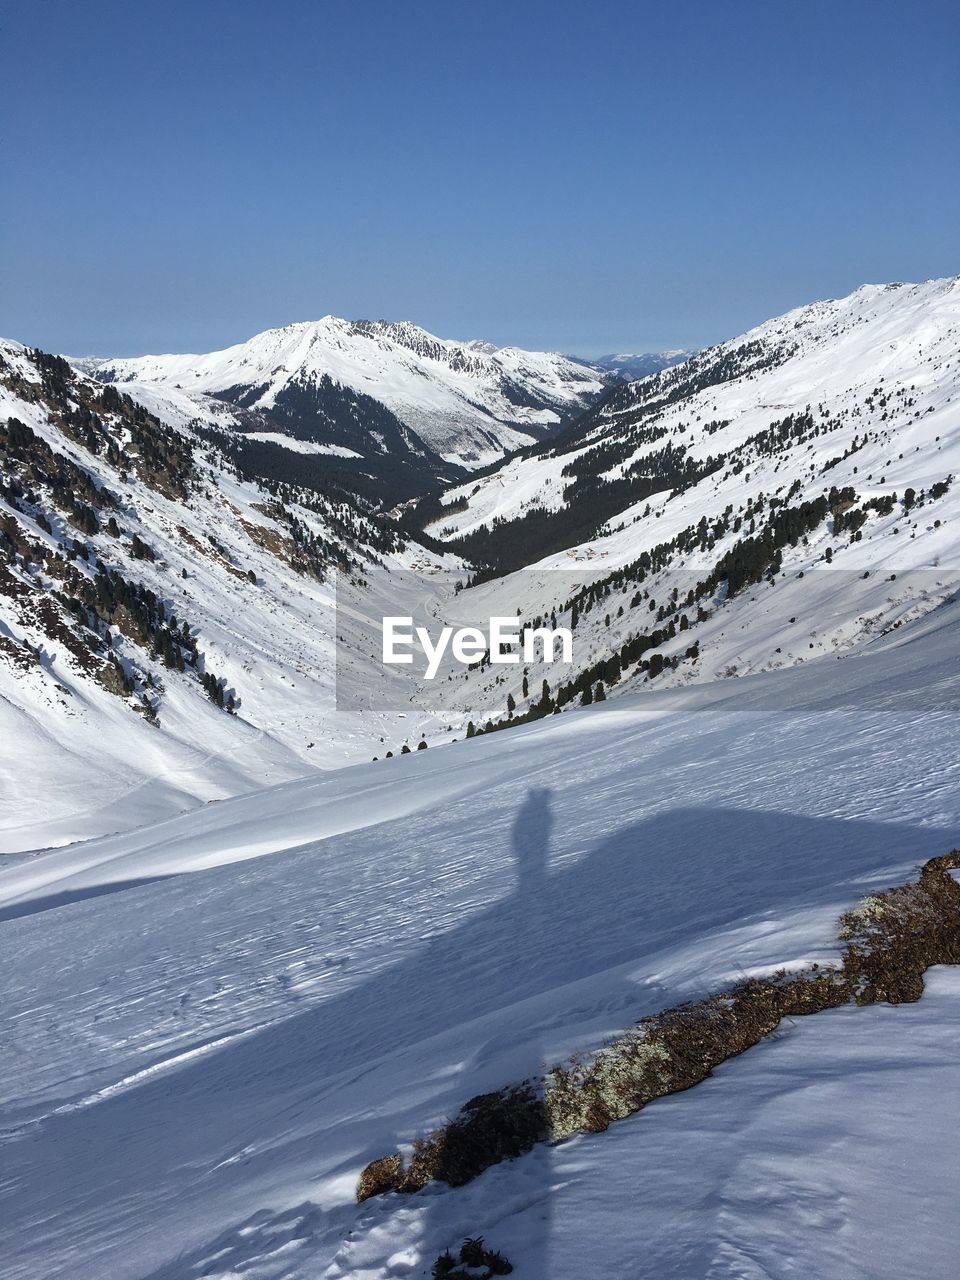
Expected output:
(445, 1225)
(642, 890)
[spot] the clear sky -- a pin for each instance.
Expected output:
(606, 176)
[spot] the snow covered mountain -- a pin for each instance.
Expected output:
(677, 526)
(379, 388)
(883, 343)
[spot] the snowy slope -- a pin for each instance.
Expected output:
(468, 402)
(219, 1019)
(257, 582)
(853, 405)
(901, 340)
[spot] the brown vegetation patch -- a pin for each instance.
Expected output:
(474, 1262)
(893, 938)
(379, 1176)
(271, 540)
(211, 550)
(20, 656)
(59, 629)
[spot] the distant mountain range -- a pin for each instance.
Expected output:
(629, 365)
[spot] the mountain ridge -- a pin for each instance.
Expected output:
(466, 402)
(620, 429)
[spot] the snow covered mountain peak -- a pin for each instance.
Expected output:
(467, 402)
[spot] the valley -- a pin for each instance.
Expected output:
(275, 907)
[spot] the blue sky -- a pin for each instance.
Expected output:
(612, 176)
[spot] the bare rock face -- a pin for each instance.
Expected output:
(111, 677)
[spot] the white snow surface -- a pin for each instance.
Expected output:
(455, 396)
(303, 446)
(217, 1020)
